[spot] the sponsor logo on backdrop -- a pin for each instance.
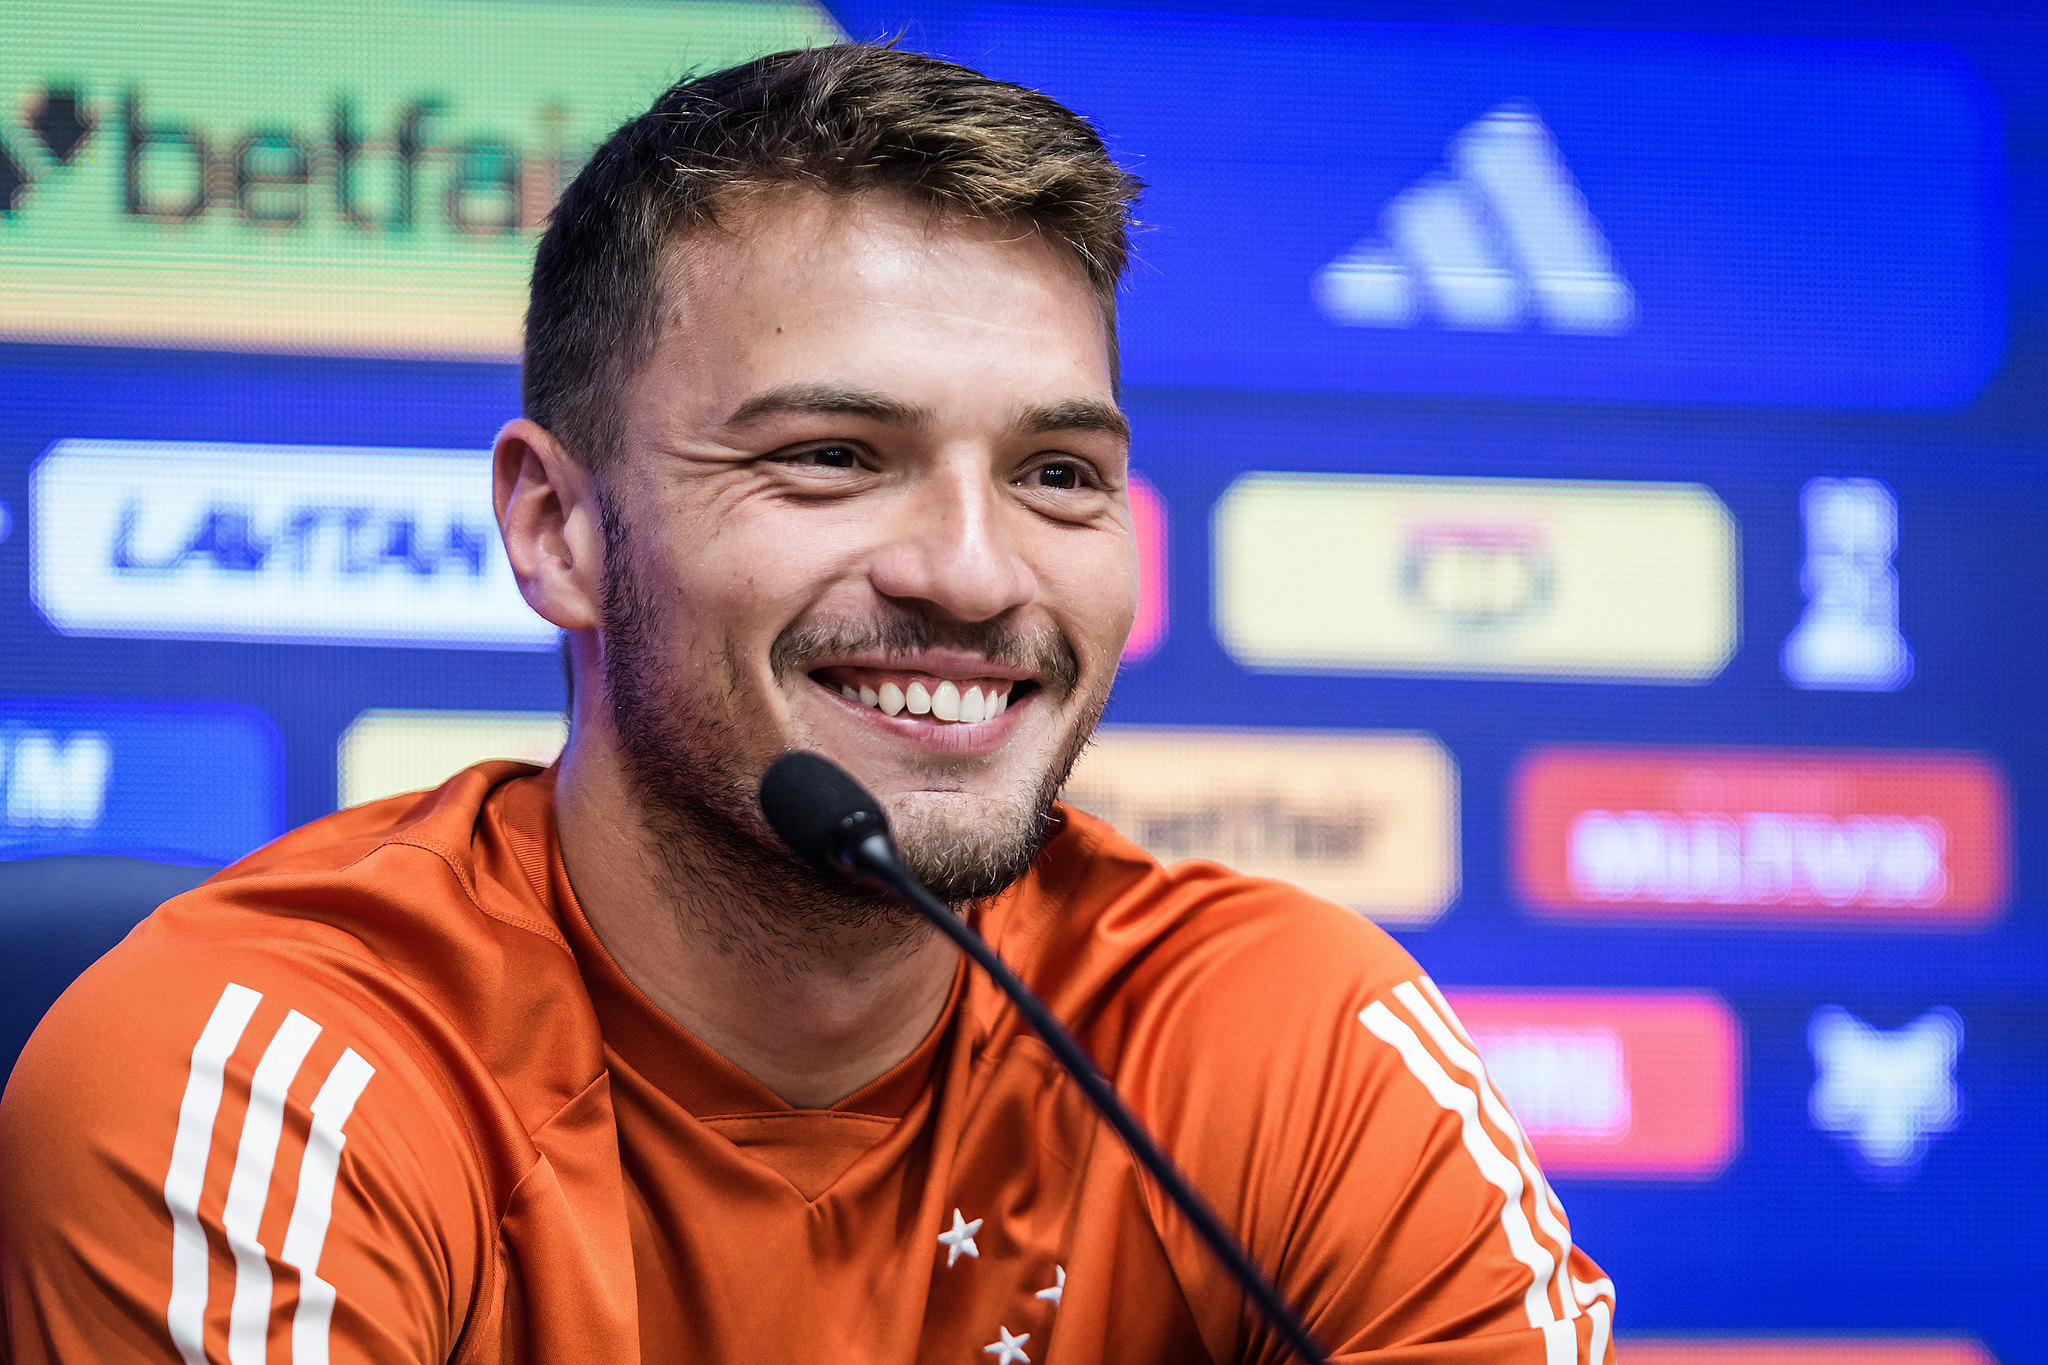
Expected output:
(384, 753)
(308, 544)
(1640, 1086)
(56, 121)
(1886, 1093)
(1366, 819)
(1563, 1082)
(1786, 223)
(1797, 836)
(1498, 240)
(1849, 638)
(1800, 1351)
(318, 174)
(176, 782)
(54, 779)
(1504, 577)
(1148, 528)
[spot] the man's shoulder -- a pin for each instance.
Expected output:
(401, 930)
(443, 820)
(434, 864)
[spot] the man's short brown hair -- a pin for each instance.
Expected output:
(840, 119)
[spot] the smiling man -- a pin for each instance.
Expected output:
(822, 451)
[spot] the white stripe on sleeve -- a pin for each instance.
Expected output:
(1603, 1326)
(314, 1207)
(1452, 1044)
(1551, 1215)
(1496, 1168)
(249, 1189)
(186, 1313)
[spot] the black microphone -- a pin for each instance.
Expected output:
(831, 822)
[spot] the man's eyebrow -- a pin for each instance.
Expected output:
(830, 400)
(1075, 414)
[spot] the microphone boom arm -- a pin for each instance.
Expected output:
(874, 859)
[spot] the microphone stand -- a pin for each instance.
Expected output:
(874, 859)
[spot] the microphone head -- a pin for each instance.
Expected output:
(816, 808)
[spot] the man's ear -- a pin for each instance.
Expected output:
(548, 515)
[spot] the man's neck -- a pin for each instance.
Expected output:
(812, 1014)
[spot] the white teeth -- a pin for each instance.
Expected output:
(942, 701)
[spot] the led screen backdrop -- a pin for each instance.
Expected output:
(1593, 478)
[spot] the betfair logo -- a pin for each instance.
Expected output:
(331, 175)
(56, 124)
(1367, 819)
(398, 179)
(1499, 240)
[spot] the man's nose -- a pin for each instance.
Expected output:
(954, 546)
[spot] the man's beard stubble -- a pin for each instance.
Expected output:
(698, 797)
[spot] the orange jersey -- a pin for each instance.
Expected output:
(378, 1094)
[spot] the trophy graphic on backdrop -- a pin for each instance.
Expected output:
(1849, 638)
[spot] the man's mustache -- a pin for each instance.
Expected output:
(1046, 654)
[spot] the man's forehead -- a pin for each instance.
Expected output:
(796, 228)
(799, 302)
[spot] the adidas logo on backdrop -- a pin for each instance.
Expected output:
(1498, 240)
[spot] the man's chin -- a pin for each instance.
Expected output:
(969, 854)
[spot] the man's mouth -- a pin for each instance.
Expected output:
(946, 701)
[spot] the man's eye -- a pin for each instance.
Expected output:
(828, 457)
(1060, 474)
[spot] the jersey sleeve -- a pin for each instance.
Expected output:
(1476, 1236)
(1334, 1110)
(214, 1154)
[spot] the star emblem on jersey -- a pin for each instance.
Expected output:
(1059, 1287)
(959, 1241)
(1010, 1349)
